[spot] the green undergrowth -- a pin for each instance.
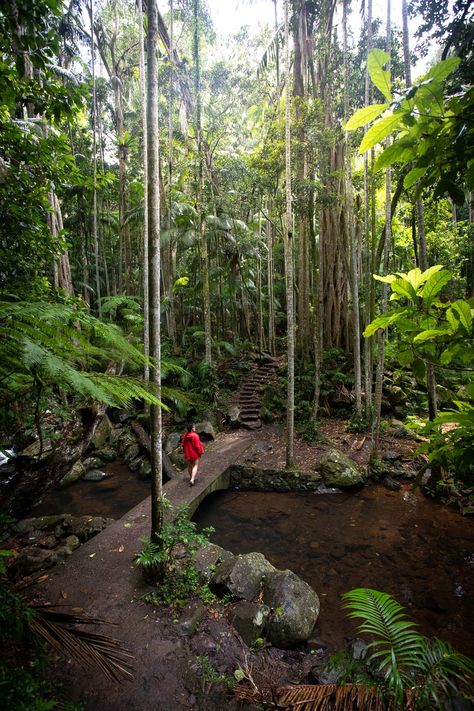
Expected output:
(168, 561)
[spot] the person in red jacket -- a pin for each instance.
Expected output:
(193, 450)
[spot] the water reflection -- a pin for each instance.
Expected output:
(397, 541)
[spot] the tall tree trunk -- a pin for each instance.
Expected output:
(352, 232)
(154, 262)
(270, 280)
(203, 252)
(386, 252)
(290, 403)
(171, 252)
(62, 268)
(420, 221)
(146, 302)
(368, 285)
(94, 164)
(300, 76)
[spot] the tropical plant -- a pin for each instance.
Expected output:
(167, 558)
(415, 672)
(433, 128)
(61, 345)
(400, 670)
(441, 334)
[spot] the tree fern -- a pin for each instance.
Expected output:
(59, 345)
(412, 665)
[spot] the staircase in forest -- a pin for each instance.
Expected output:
(250, 393)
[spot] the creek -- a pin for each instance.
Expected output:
(111, 497)
(401, 542)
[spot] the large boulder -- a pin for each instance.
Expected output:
(102, 433)
(241, 575)
(208, 558)
(294, 609)
(76, 472)
(338, 470)
(172, 441)
(131, 453)
(107, 454)
(249, 619)
(33, 450)
(205, 431)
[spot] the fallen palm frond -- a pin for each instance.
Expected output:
(331, 696)
(90, 649)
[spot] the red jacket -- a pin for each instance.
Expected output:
(192, 446)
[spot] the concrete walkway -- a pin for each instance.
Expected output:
(100, 578)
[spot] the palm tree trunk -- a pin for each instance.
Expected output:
(290, 403)
(352, 233)
(367, 241)
(94, 163)
(420, 221)
(386, 252)
(203, 252)
(146, 307)
(154, 261)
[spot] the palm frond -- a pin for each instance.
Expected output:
(63, 73)
(331, 696)
(269, 56)
(90, 649)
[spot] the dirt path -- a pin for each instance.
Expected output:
(100, 578)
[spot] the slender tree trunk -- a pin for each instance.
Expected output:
(146, 302)
(62, 268)
(420, 221)
(368, 349)
(154, 261)
(94, 164)
(351, 233)
(171, 254)
(290, 404)
(386, 252)
(203, 253)
(271, 297)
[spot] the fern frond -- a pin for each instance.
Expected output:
(124, 389)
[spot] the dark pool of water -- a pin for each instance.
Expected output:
(111, 497)
(418, 551)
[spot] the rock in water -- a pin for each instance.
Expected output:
(76, 472)
(338, 470)
(294, 609)
(96, 475)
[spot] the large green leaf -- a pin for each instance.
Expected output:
(413, 176)
(443, 69)
(380, 130)
(463, 310)
(431, 334)
(399, 152)
(434, 285)
(380, 76)
(383, 321)
(402, 287)
(387, 279)
(364, 116)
